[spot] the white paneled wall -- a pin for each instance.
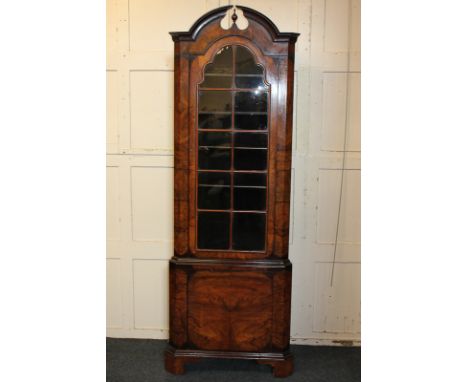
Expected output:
(151, 110)
(140, 163)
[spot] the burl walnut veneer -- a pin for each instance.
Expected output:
(230, 277)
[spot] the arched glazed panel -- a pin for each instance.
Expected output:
(232, 165)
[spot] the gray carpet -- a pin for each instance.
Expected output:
(132, 360)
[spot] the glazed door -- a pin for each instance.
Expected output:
(231, 169)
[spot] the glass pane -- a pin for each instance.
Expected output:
(214, 139)
(250, 82)
(222, 62)
(215, 178)
(214, 121)
(217, 81)
(216, 100)
(214, 197)
(251, 101)
(214, 159)
(213, 230)
(250, 140)
(249, 192)
(250, 121)
(250, 179)
(248, 231)
(245, 63)
(250, 159)
(249, 199)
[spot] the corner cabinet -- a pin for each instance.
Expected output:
(230, 277)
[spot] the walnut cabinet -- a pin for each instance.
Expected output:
(230, 277)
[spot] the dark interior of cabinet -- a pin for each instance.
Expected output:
(232, 160)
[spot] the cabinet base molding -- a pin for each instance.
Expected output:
(176, 359)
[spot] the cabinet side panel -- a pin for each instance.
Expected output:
(178, 306)
(181, 152)
(283, 153)
(281, 309)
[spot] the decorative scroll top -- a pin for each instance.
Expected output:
(240, 17)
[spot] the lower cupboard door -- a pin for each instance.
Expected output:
(234, 311)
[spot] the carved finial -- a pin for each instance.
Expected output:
(231, 18)
(234, 16)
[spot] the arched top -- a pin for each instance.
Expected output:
(219, 13)
(234, 66)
